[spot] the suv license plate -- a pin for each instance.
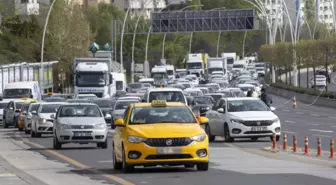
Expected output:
(79, 134)
(258, 128)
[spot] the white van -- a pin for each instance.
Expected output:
(118, 82)
(17, 90)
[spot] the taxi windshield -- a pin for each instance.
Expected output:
(246, 105)
(157, 115)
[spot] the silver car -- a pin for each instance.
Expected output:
(41, 121)
(28, 116)
(119, 108)
(81, 123)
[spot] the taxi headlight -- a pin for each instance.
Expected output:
(135, 139)
(237, 121)
(100, 126)
(199, 138)
(65, 126)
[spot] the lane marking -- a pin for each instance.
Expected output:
(289, 132)
(80, 165)
(332, 117)
(299, 112)
(314, 115)
(287, 121)
(334, 126)
(286, 110)
(104, 161)
(318, 135)
(7, 175)
(324, 131)
(313, 124)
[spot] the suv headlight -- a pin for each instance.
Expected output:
(237, 121)
(199, 138)
(135, 139)
(100, 126)
(65, 126)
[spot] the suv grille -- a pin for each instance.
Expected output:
(82, 127)
(258, 123)
(162, 142)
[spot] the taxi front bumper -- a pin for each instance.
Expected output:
(143, 155)
(81, 135)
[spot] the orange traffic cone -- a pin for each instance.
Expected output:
(294, 102)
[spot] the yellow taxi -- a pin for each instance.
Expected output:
(160, 133)
(23, 112)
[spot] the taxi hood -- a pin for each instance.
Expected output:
(165, 130)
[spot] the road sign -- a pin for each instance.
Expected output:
(194, 21)
(94, 47)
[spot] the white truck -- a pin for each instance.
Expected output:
(216, 64)
(195, 64)
(230, 59)
(94, 76)
(160, 76)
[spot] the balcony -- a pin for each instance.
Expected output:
(27, 8)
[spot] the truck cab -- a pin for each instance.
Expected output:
(195, 64)
(160, 76)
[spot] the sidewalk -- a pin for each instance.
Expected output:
(21, 166)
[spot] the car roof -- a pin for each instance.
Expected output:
(52, 103)
(168, 104)
(164, 89)
(245, 85)
(80, 103)
(242, 98)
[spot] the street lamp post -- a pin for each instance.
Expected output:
(164, 37)
(122, 40)
(42, 46)
(220, 32)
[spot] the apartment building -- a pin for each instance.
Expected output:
(137, 7)
(325, 12)
(23, 7)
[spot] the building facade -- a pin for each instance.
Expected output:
(144, 7)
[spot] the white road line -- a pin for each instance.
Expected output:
(332, 117)
(318, 135)
(313, 124)
(334, 126)
(286, 110)
(104, 161)
(324, 131)
(7, 175)
(299, 112)
(314, 114)
(288, 132)
(289, 121)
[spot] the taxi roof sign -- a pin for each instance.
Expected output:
(159, 103)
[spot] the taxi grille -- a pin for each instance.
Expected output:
(258, 123)
(82, 127)
(162, 142)
(171, 156)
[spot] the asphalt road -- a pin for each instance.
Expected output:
(331, 85)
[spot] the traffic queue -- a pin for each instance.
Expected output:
(167, 125)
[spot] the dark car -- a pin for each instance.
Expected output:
(106, 106)
(203, 104)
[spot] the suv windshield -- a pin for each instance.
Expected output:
(104, 103)
(169, 96)
(157, 115)
(80, 111)
(123, 104)
(50, 108)
(246, 105)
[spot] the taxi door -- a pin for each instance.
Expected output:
(120, 134)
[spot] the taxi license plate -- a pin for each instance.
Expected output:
(168, 150)
(79, 134)
(258, 128)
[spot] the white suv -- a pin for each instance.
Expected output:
(168, 94)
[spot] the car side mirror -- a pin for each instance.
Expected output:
(108, 116)
(52, 116)
(221, 110)
(33, 112)
(272, 108)
(119, 123)
(203, 120)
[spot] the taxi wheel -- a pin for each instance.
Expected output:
(203, 166)
(227, 136)
(116, 165)
(126, 167)
(208, 132)
(56, 144)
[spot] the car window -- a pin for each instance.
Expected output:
(123, 104)
(246, 105)
(216, 104)
(158, 115)
(80, 111)
(49, 108)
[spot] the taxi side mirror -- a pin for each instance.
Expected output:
(119, 123)
(203, 120)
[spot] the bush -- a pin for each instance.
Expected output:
(331, 95)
